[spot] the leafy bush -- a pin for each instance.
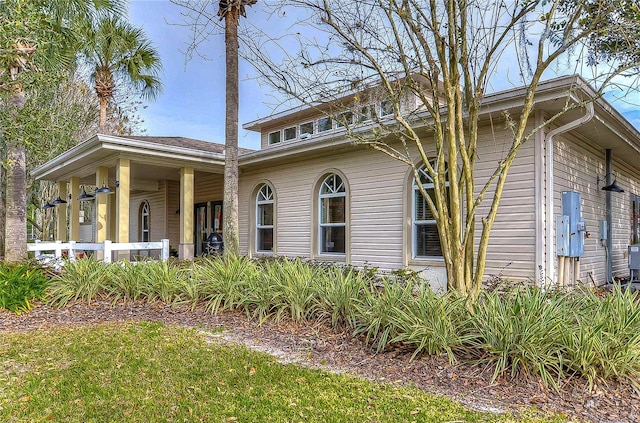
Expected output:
(604, 340)
(20, 284)
(80, 280)
(520, 331)
(431, 324)
(338, 292)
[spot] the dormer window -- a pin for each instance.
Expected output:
(274, 137)
(325, 124)
(290, 133)
(306, 130)
(344, 119)
(365, 114)
(386, 108)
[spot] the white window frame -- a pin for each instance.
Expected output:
(309, 134)
(382, 113)
(295, 133)
(273, 133)
(265, 196)
(415, 223)
(333, 191)
(144, 219)
(328, 120)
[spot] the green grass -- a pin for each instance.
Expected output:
(20, 284)
(148, 372)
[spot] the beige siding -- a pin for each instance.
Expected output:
(208, 187)
(157, 214)
(512, 240)
(576, 166)
(377, 195)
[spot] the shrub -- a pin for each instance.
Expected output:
(377, 309)
(80, 280)
(604, 340)
(431, 324)
(20, 284)
(338, 292)
(520, 331)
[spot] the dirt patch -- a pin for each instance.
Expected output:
(318, 346)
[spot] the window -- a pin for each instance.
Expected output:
(274, 137)
(290, 133)
(325, 124)
(386, 108)
(264, 219)
(426, 241)
(143, 220)
(306, 130)
(365, 114)
(344, 119)
(332, 216)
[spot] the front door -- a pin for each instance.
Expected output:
(208, 218)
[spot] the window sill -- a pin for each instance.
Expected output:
(431, 262)
(330, 257)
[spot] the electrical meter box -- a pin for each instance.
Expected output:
(572, 207)
(634, 262)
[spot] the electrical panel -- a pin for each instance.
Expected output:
(562, 235)
(572, 207)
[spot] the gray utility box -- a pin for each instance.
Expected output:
(634, 262)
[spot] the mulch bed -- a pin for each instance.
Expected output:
(318, 346)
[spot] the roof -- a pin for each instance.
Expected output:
(185, 143)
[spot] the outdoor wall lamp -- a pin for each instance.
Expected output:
(59, 201)
(613, 187)
(84, 196)
(47, 205)
(104, 189)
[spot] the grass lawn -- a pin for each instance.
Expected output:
(148, 372)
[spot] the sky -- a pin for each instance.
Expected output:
(192, 101)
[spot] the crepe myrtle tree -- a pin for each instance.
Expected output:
(444, 53)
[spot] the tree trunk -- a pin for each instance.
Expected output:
(230, 229)
(2, 209)
(102, 123)
(16, 192)
(16, 213)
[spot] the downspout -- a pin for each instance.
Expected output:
(549, 219)
(608, 216)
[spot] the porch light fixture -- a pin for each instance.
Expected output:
(613, 187)
(58, 201)
(104, 189)
(84, 196)
(47, 205)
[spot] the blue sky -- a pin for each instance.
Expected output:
(192, 102)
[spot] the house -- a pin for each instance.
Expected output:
(309, 191)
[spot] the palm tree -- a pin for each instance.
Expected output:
(230, 11)
(119, 53)
(36, 37)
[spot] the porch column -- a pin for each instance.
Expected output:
(102, 212)
(123, 173)
(61, 215)
(74, 205)
(186, 248)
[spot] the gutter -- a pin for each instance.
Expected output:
(590, 113)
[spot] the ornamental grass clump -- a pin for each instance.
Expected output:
(126, 281)
(604, 340)
(431, 324)
(80, 280)
(223, 281)
(378, 308)
(20, 284)
(338, 292)
(165, 280)
(519, 332)
(289, 286)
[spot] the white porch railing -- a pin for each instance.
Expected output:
(107, 247)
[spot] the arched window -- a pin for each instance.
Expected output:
(425, 238)
(332, 222)
(265, 202)
(143, 221)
